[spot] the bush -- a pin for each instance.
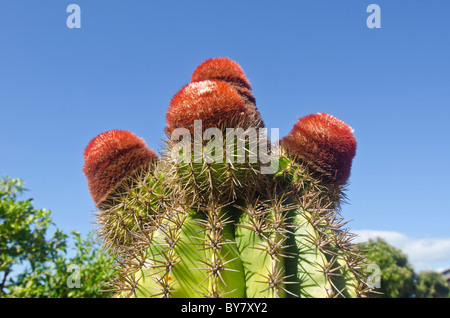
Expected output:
(32, 264)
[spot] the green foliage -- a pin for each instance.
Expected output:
(397, 275)
(23, 229)
(34, 265)
(431, 284)
(80, 276)
(398, 279)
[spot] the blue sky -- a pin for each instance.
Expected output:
(61, 87)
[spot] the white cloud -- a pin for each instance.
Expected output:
(423, 253)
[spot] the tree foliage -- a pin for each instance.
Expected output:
(36, 263)
(431, 284)
(397, 275)
(398, 278)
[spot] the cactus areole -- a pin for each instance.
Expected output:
(201, 219)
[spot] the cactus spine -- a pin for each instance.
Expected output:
(186, 226)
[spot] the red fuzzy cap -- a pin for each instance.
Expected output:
(230, 72)
(215, 103)
(112, 156)
(221, 68)
(324, 142)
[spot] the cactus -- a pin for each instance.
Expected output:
(209, 223)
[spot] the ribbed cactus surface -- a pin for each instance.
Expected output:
(203, 220)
